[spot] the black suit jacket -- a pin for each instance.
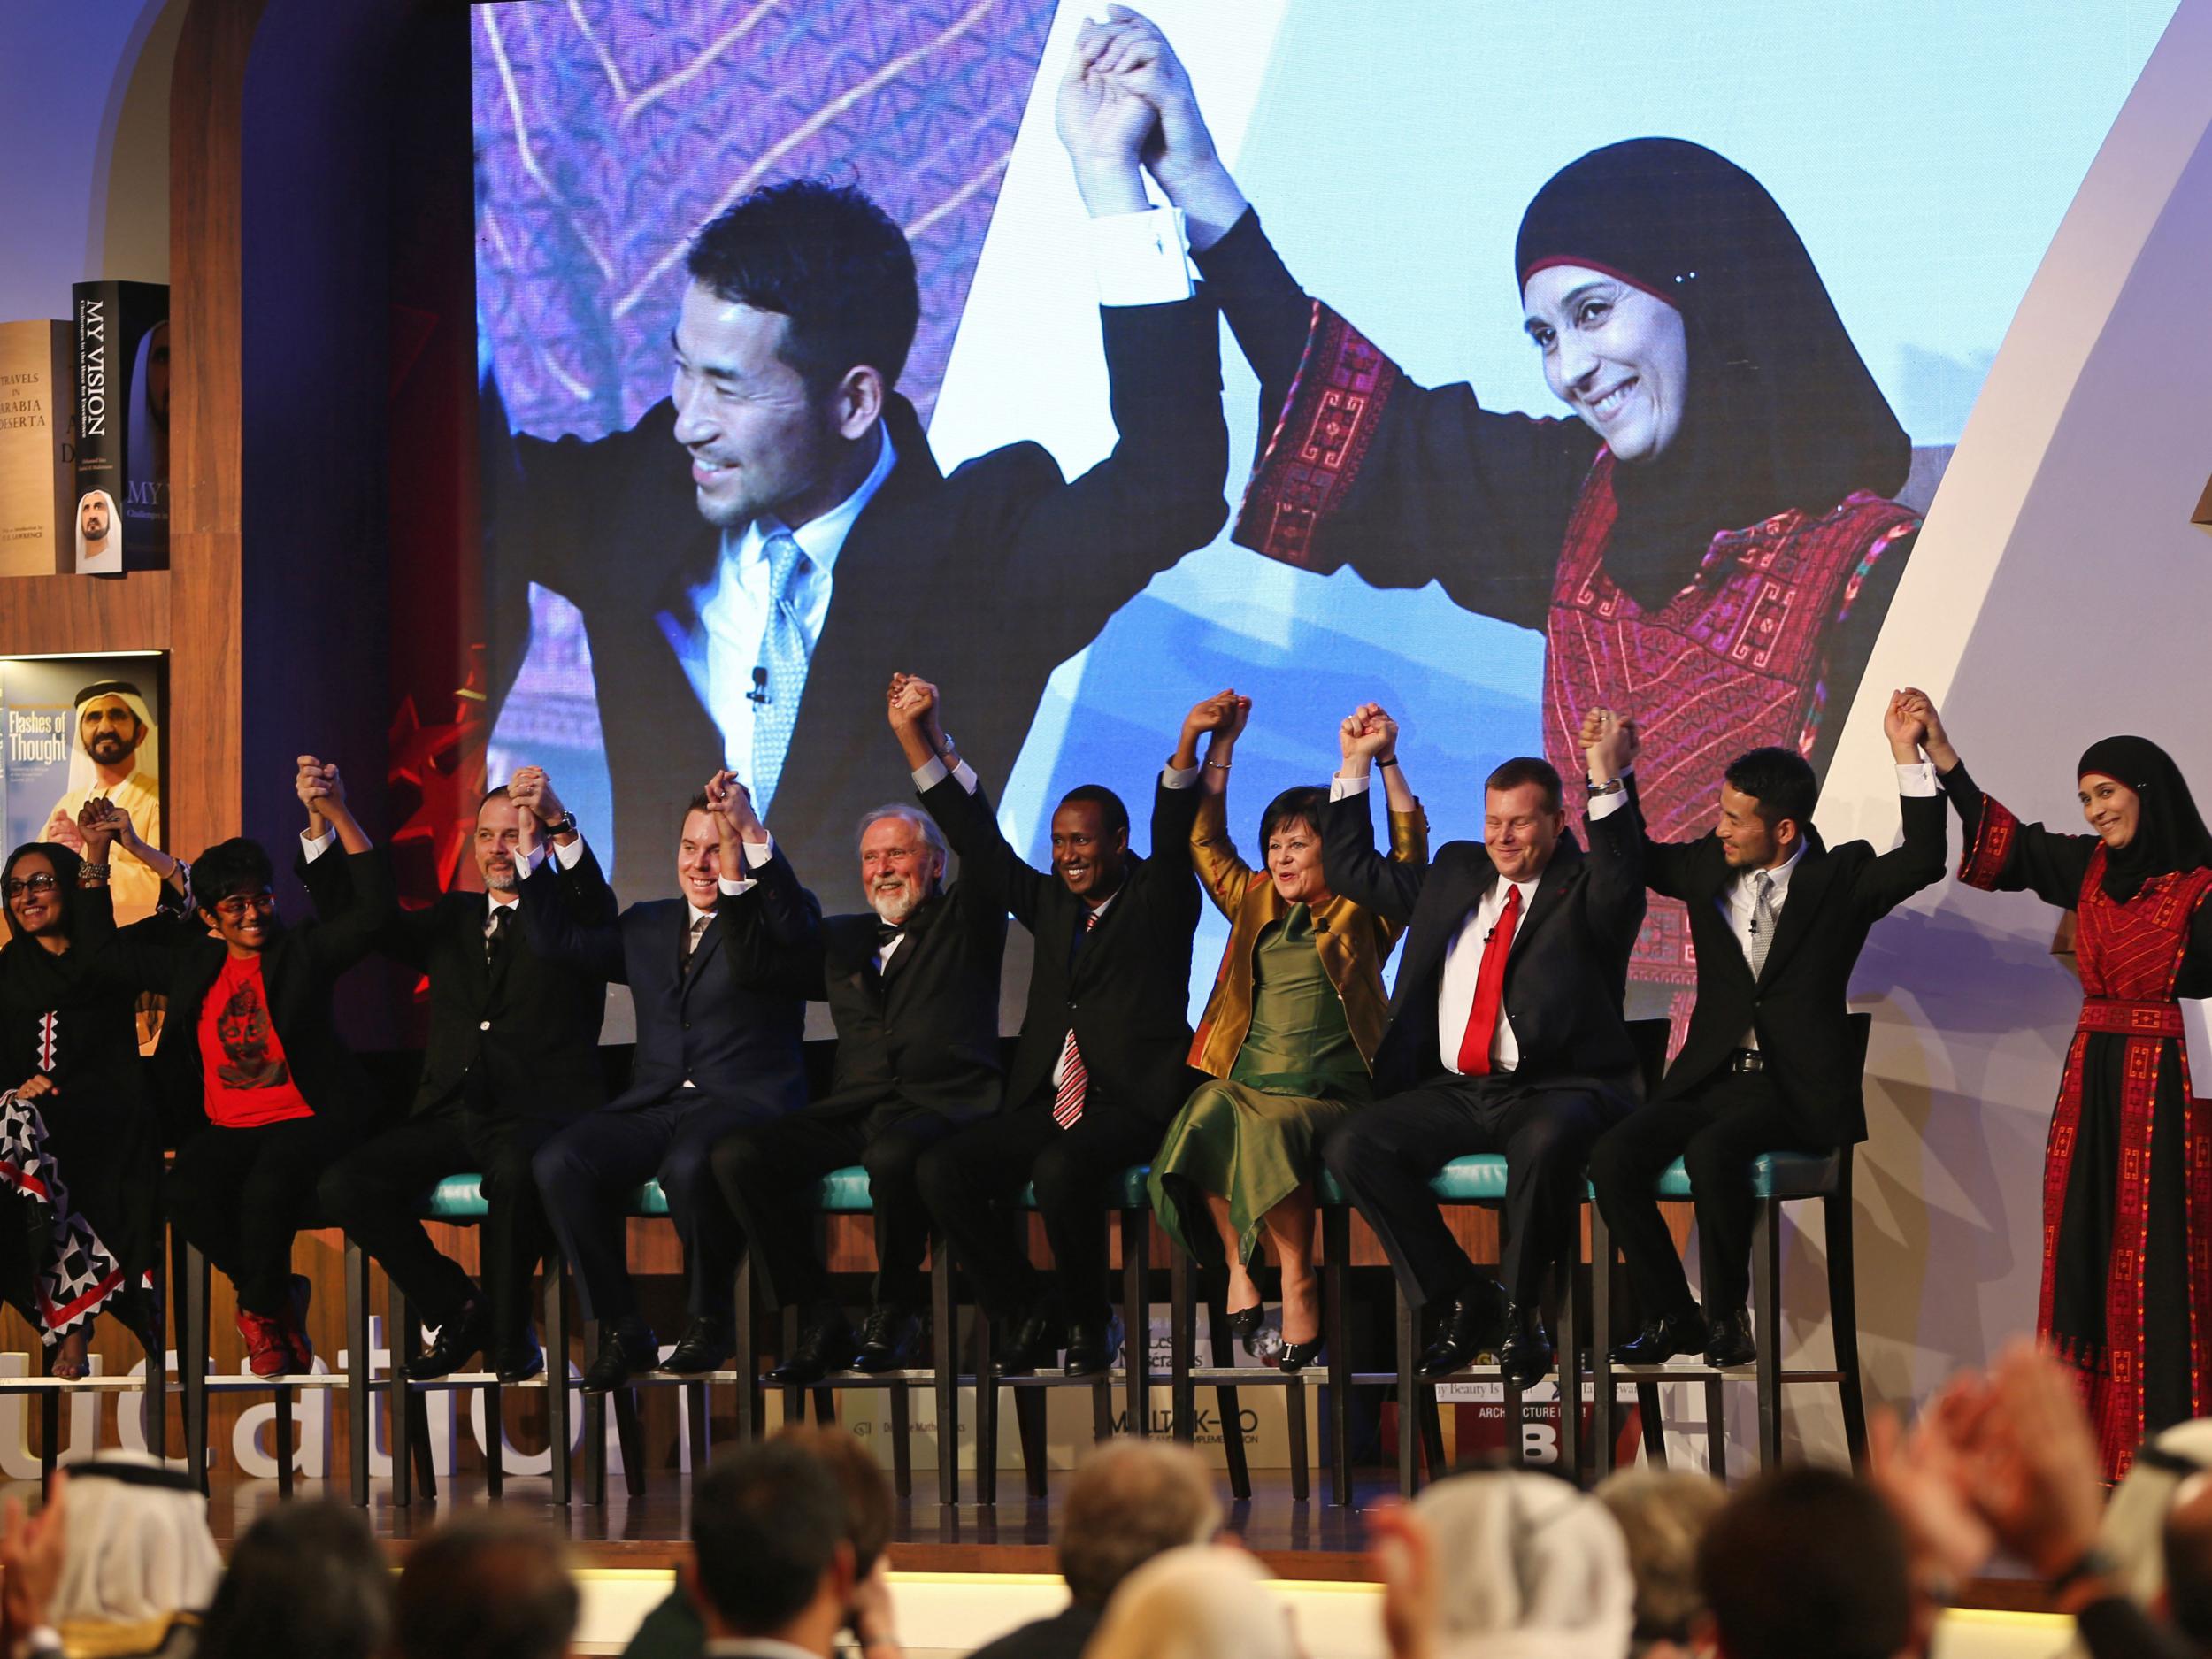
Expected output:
(1568, 972)
(517, 1035)
(729, 1022)
(1797, 1004)
(1063, 1636)
(613, 526)
(922, 1033)
(179, 959)
(1126, 993)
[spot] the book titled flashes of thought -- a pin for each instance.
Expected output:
(121, 507)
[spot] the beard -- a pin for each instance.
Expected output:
(499, 882)
(107, 749)
(894, 905)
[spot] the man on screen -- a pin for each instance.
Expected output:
(112, 760)
(749, 556)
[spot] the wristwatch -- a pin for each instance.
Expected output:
(1611, 786)
(566, 827)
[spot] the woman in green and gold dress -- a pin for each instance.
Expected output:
(1290, 1030)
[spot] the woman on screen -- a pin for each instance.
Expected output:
(1289, 1032)
(2127, 1240)
(1709, 543)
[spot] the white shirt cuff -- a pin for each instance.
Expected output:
(758, 854)
(570, 855)
(1178, 777)
(313, 847)
(1606, 805)
(932, 772)
(1342, 789)
(1917, 778)
(1138, 257)
(731, 889)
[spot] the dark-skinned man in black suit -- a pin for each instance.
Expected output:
(710, 973)
(511, 1057)
(1100, 1067)
(913, 986)
(1505, 1035)
(731, 553)
(1777, 920)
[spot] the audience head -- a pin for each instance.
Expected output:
(870, 1509)
(1526, 1556)
(234, 885)
(1290, 837)
(802, 308)
(1662, 1516)
(772, 1551)
(902, 860)
(492, 1586)
(2154, 1529)
(305, 1578)
(1132, 1500)
(1090, 841)
(2186, 1554)
(699, 853)
(1766, 806)
(138, 1549)
(499, 841)
(1521, 820)
(1808, 1563)
(1199, 1602)
(38, 882)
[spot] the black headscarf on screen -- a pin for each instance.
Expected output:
(1781, 410)
(65, 864)
(2169, 835)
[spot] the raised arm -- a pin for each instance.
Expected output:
(1918, 860)
(2001, 853)
(952, 793)
(1614, 824)
(1218, 719)
(336, 942)
(1388, 886)
(119, 831)
(790, 913)
(569, 913)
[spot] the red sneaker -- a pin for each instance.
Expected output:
(267, 1352)
(294, 1325)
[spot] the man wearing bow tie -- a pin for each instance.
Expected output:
(912, 988)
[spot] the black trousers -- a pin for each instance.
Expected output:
(767, 1174)
(587, 1172)
(376, 1193)
(971, 1182)
(1385, 1154)
(1716, 1131)
(240, 1194)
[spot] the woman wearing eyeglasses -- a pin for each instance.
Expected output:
(80, 1140)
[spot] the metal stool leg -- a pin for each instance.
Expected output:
(1336, 1244)
(1604, 1415)
(1294, 1423)
(698, 1429)
(1225, 1401)
(1843, 1311)
(901, 1441)
(630, 1435)
(360, 1400)
(1029, 1427)
(1136, 1318)
(48, 1436)
(1766, 1293)
(1654, 1424)
(1717, 1426)
(1408, 1384)
(746, 1359)
(1182, 1341)
(495, 1440)
(195, 1360)
(985, 1413)
(557, 1418)
(595, 1430)
(156, 1401)
(1103, 1409)
(944, 1355)
(282, 1436)
(1567, 1351)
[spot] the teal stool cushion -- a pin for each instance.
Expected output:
(845, 1192)
(1130, 1194)
(1477, 1179)
(458, 1198)
(649, 1200)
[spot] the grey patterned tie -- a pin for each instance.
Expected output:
(783, 661)
(495, 929)
(1762, 921)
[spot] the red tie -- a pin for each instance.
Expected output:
(1067, 1104)
(1482, 1022)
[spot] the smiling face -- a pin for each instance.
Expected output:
(498, 838)
(244, 920)
(107, 730)
(699, 860)
(1085, 856)
(34, 895)
(1614, 354)
(1747, 842)
(1294, 862)
(1519, 832)
(898, 868)
(2112, 808)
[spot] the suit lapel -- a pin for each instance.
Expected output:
(1808, 887)
(1551, 889)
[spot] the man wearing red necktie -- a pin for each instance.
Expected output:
(1506, 1033)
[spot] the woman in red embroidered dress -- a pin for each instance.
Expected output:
(1709, 542)
(2127, 1237)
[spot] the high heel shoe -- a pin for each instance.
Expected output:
(1296, 1357)
(1248, 1326)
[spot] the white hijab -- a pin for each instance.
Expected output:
(1528, 1566)
(138, 1547)
(1200, 1602)
(2133, 1531)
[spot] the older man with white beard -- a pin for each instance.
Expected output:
(912, 983)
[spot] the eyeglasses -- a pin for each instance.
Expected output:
(37, 884)
(239, 905)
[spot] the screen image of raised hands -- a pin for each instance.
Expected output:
(912, 705)
(1127, 52)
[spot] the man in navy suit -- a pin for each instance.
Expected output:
(718, 1049)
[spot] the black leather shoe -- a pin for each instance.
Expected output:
(520, 1360)
(824, 1345)
(1731, 1344)
(891, 1340)
(1661, 1339)
(1526, 1359)
(624, 1352)
(460, 1340)
(1032, 1343)
(707, 1346)
(1094, 1346)
(1473, 1325)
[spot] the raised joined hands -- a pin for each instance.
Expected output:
(1367, 735)
(1610, 743)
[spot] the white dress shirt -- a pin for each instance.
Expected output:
(757, 854)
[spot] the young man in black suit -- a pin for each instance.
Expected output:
(512, 1057)
(250, 1059)
(718, 1049)
(1505, 1031)
(729, 553)
(1777, 920)
(1100, 1067)
(913, 986)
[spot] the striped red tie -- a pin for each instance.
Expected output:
(1067, 1104)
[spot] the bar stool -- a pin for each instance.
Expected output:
(1185, 1376)
(152, 1386)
